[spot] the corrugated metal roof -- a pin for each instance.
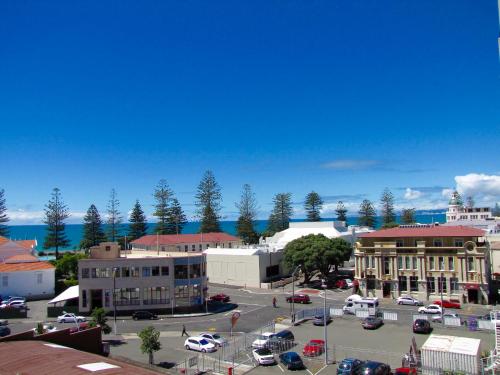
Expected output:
(452, 344)
(172, 239)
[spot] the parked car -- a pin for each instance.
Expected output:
(405, 371)
(408, 300)
(298, 298)
(4, 322)
(264, 356)
(70, 318)
(437, 318)
(448, 304)
(215, 339)
(10, 299)
(319, 320)
(349, 366)
(375, 368)
(281, 341)
(221, 297)
(430, 309)
(314, 348)
(422, 326)
(372, 322)
(15, 304)
(139, 315)
(349, 282)
(199, 344)
(4, 331)
(291, 360)
(262, 340)
(341, 284)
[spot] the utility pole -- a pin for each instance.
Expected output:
(324, 322)
(292, 311)
(114, 299)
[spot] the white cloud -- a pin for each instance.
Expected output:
(411, 194)
(350, 164)
(446, 193)
(484, 188)
(26, 217)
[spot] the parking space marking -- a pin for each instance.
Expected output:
(309, 371)
(280, 368)
(321, 369)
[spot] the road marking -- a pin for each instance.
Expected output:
(281, 368)
(309, 371)
(321, 369)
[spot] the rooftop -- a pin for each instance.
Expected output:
(232, 251)
(173, 239)
(25, 266)
(452, 344)
(426, 231)
(141, 254)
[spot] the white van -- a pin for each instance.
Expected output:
(370, 304)
(353, 297)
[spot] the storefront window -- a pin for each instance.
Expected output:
(413, 284)
(403, 286)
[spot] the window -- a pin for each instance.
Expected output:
(5, 281)
(200, 247)
(370, 282)
(127, 296)
(155, 296)
(442, 284)
(399, 243)
(84, 298)
(431, 286)
(451, 264)
(164, 270)
(185, 247)
(414, 261)
(459, 242)
(431, 263)
(116, 272)
(85, 273)
(470, 264)
(367, 262)
(163, 248)
(230, 245)
(155, 270)
(125, 272)
(181, 272)
(193, 247)
(373, 261)
(108, 248)
(39, 278)
(107, 297)
(134, 271)
(413, 283)
(178, 248)
(146, 271)
(93, 272)
(438, 242)
(387, 269)
(195, 271)
(454, 284)
(181, 291)
(407, 259)
(441, 263)
(400, 263)
(403, 286)
(101, 273)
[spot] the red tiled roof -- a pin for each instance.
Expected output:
(3, 240)
(18, 267)
(433, 231)
(22, 258)
(29, 244)
(172, 239)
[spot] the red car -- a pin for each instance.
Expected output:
(221, 297)
(405, 371)
(314, 348)
(451, 304)
(342, 284)
(298, 298)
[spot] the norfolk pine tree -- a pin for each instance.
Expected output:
(208, 203)
(93, 234)
(408, 216)
(245, 226)
(280, 216)
(366, 214)
(4, 229)
(176, 219)
(138, 225)
(312, 205)
(387, 209)
(114, 217)
(162, 196)
(341, 212)
(55, 214)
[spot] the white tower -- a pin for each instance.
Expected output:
(455, 207)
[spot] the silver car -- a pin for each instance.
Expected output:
(408, 300)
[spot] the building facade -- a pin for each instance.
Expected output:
(141, 280)
(425, 261)
(185, 242)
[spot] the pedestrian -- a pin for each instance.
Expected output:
(274, 301)
(184, 332)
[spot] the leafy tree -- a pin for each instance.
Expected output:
(55, 214)
(408, 216)
(470, 201)
(387, 207)
(245, 226)
(341, 211)
(208, 203)
(114, 217)
(333, 253)
(366, 214)
(162, 196)
(93, 234)
(312, 205)
(67, 265)
(496, 210)
(176, 219)
(301, 252)
(280, 216)
(99, 319)
(150, 342)
(4, 229)
(138, 224)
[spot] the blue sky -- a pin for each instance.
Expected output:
(341, 97)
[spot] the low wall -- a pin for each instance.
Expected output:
(13, 313)
(55, 311)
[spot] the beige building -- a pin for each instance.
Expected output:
(141, 280)
(423, 261)
(185, 242)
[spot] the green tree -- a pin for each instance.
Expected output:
(366, 214)
(387, 208)
(313, 205)
(245, 226)
(408, 216)
(176, 219)
(208, 203)
(162, 196)
(301, 252)
(99, 319)
(280, 216)
(150, 342)
(114, 217)
(67, 265)
(332, 254)
(138, 225)
(496, 210)
(4, 229)
(56, 212)
(341, 212)
(93, 234)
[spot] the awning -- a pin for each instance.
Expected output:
(471, 286)
(70, 293)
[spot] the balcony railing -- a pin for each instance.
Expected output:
(133, 302)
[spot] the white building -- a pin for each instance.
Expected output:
(247, 267)
(26, 276)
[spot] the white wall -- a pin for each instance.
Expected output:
(25, 284)
(238, 270)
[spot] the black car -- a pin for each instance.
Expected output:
(319, 320)
(138, 315)
(375, 368)
(4, 331)
(292, 361)
(421, 326)
(281, 341)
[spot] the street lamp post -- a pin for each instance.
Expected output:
(114, 300)
(324, 321)
(441, 279)
(292, 312)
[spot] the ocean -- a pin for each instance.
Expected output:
(74, 231)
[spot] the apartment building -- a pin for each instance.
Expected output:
(424, 261)
(185, 242)
(141, 280)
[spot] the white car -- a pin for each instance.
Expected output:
(408, 300)
(18, 304)
(214, 338)
(349, 282)
(70, 318)
(437, 318)
(430, 309)
(263, 340)
(263, 356)
(199, 344)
